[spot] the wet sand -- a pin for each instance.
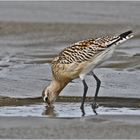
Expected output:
(32, 34)
(102, 101)
(26, 53)
(106, 127)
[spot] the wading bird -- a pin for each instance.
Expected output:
(77, 61)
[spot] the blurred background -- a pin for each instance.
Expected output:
(32, 33)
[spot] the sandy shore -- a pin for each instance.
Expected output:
(106, 127)
(31, 34)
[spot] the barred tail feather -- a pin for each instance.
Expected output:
(125, 34)
(121, 38)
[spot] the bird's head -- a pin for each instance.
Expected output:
(49, 96)
(51, 92)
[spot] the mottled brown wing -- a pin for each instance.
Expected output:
(84, 50)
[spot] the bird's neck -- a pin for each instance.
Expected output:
(57, 86)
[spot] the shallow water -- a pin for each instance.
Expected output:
(70, 110)
(31, 34)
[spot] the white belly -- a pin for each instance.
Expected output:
(97, 61)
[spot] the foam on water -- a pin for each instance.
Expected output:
(64, 110)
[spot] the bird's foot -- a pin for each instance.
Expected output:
(82, 110)
(94, 106)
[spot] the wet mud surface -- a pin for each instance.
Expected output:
(68, 107)
(103, 101)
(27, 51)
(64, 110)
(31, 34)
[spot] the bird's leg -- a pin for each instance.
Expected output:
(94, 104)
(84, 97)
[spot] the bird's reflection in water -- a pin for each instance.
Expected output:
(49, 112)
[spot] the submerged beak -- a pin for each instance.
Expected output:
(46, 99)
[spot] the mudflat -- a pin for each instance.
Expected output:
(32, 33)
(103, 127)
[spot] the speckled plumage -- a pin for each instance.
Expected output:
(84, 50)
(81, 57)
(77, 61)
